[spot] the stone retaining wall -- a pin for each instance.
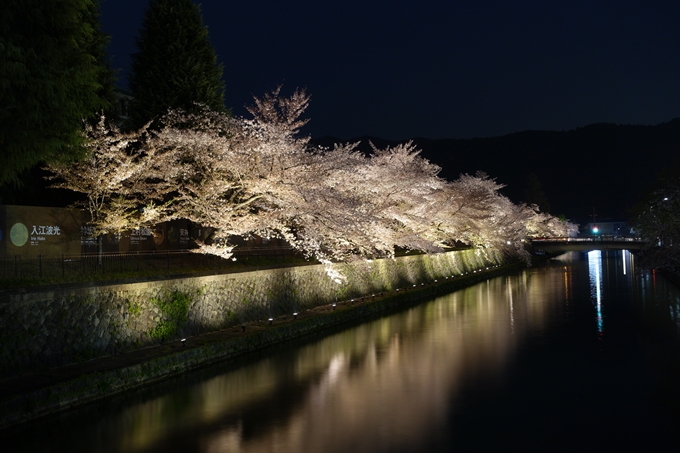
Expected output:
(41, 329)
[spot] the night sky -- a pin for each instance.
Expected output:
(441, 69)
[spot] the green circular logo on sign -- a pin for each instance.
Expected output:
(18, 234)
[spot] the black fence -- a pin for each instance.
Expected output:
(100, 265)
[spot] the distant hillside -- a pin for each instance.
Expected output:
(601, 166)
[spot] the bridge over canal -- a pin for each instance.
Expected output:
(585, 244)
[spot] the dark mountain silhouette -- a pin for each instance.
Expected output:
(608, 167)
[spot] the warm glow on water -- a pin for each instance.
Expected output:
(391, 379)
(484, 366)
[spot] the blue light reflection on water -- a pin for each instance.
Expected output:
(595, 273)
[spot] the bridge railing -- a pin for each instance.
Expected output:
(594, 239)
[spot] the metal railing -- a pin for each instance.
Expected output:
(66, 268)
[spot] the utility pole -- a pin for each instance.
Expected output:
(594, 229)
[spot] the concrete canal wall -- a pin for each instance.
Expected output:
(47, 328)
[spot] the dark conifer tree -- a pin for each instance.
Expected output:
(535, 194)
(52, 77)
(107, 75)
(176, 65)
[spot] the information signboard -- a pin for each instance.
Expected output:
(30, 231)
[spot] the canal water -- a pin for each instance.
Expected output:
(578, 354)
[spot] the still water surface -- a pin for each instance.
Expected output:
(579, 354)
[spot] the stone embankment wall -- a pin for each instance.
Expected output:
(47, 328)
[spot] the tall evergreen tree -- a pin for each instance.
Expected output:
(175, 66)
(52, 76)
(535, 194)
(106, 75)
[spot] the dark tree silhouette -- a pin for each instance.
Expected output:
(176, 65)
(534, 193)
(657, 219)
(53, 76)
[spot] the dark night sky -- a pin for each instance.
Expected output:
(441, 69)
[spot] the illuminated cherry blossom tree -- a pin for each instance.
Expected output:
(257, 176)
(106, 177)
